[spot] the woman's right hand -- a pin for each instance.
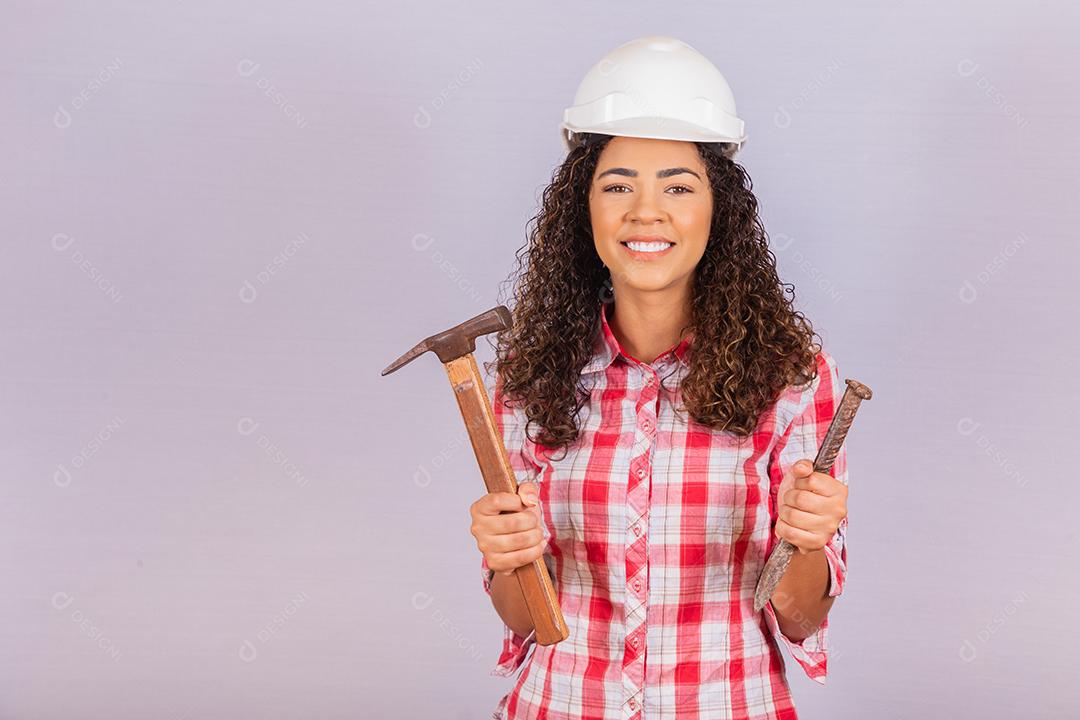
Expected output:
(509, 528)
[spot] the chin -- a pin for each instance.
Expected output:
(651, 285)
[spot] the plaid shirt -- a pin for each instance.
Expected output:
(659, 528)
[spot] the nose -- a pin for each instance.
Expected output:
(645, 209)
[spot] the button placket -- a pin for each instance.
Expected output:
(636, 555)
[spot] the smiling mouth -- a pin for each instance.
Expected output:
(652, 246)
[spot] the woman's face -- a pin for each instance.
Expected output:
(652, 189)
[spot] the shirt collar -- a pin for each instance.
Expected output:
(606, 347)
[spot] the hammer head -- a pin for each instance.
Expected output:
(459, 340)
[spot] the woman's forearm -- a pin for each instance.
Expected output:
(509, 602)
(801, 599)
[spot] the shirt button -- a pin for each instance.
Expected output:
(634, 641)
(641, 472)
(637, 529)
(633, 704)
(645, 425)
(648, 379)
(637, 585)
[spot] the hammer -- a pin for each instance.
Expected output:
(455, 348)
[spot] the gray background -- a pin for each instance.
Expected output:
(220, 221)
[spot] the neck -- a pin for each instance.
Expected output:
(648, 325)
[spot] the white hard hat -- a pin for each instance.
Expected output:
(655, 87)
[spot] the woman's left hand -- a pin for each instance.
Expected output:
(810, 506)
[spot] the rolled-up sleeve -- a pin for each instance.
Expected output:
(510, 421)
(816, 406)
(515, 647)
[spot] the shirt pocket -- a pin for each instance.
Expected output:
(705, 496)
(585, 495)
(706, 503)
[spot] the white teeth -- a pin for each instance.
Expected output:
(648, 246)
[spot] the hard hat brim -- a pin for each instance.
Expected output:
(654, 128)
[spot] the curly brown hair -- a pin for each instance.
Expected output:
(749, 341)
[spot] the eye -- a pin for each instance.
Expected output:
(686, 189)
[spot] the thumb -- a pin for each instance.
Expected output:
(529, 493)
(786, 483)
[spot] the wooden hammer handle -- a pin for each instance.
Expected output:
(490, 451)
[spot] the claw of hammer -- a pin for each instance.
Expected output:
(458, 340)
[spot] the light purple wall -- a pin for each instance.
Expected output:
(222, 220)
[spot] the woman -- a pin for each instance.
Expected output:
(661, 402)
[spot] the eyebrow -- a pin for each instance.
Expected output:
(659, 173)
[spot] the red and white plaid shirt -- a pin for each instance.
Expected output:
(659, 528)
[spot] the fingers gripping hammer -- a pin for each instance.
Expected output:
(455, 348)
